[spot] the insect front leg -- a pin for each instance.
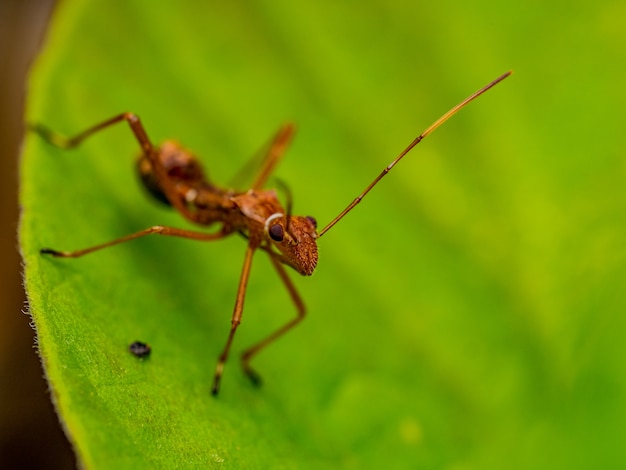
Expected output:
(236, 319)
(300, 310)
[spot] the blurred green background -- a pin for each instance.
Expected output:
(468, 313)
(30, 436)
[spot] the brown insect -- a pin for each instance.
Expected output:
(174, 176)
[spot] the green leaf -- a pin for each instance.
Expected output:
(467, 314)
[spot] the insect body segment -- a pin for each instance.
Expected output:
(182, 169)
(245, 212)
(173, 176)
(297, 243)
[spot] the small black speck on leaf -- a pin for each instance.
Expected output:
(139, 349)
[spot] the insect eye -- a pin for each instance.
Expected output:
(312, 220)
(277, 233)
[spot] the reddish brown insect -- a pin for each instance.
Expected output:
(174, 176)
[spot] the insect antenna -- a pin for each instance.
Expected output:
(419, 138)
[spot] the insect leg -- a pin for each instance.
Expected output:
(275, 152)
(150, 151)
(63, 142)
(236, 319)
(301, 311)
(157, 229)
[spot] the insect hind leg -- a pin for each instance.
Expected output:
(61, 141)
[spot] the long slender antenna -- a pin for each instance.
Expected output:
(431, 128)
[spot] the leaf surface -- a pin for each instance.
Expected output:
(467, 314)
